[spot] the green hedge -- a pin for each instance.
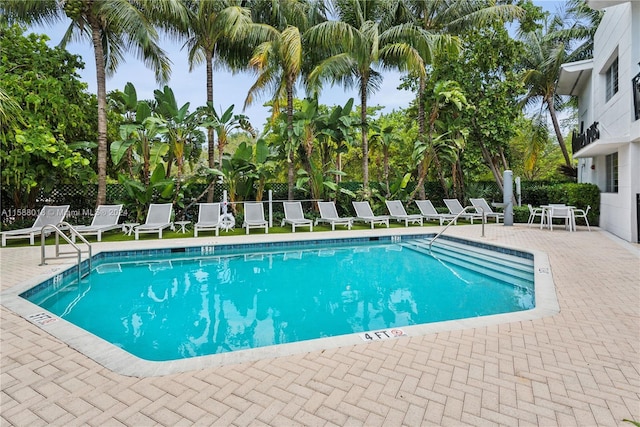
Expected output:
(578, 195)
(82, 199)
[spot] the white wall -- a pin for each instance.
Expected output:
(618, 35)
(617, 215)
(613, 38)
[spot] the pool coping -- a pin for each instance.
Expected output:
(124, 363)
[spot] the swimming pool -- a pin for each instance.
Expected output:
(370, 305)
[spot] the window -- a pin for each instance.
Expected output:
(612, 173)
(612, 79)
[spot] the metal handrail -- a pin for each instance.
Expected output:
(59, 254)
(484, 219)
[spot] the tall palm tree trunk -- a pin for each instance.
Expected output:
(290, 171)
(385, 168)
(102, 111)
(556, 127)
(421, 131)
(210, 135)
(365, 141)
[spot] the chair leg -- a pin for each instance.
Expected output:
(586, 221)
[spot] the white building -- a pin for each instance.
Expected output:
(607, 145)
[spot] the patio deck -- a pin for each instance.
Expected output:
(579, 367)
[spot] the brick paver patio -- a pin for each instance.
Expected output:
(580, 367)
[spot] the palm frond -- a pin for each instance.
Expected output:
(32, 12)
(337, 68)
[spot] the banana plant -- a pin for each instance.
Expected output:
(141, 196)
(445, 138)
(322, 185)
(384, 136)
(239, 173)
(264, 160)
(183, 135)
(140, 146)
(223, 124)
(336, 134)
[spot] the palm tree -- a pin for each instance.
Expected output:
(545, 53)
(215, 30)
(447, 96)
(578, 24)
(113, 27)
(451, 17)
(365, 38)
(279, 63)
(279, 59)
(563, 39)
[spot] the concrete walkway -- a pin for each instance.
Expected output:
(580, 367)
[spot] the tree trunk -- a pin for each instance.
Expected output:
(421, 131)
(222, 142)
(556, 127)
(146, 160)
(365, 130)
(290, 171)
(385, 168)
(210, 135)
(102, 111)
(424, 163)
(440, 174)
(486, 155)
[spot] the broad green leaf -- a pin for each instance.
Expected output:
(262, 151)
(119, 149)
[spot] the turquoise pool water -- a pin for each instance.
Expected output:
(184, 304)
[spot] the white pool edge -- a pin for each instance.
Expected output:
(124, 363)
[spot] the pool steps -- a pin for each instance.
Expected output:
(505, 267)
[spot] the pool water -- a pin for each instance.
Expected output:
(172, 307)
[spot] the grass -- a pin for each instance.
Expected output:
(118, 236)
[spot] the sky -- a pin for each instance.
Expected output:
(228, 89)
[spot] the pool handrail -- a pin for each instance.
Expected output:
(58, 232)
(484, 219)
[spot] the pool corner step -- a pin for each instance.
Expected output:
(507, 268)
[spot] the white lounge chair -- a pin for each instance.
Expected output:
(455, 208)
(365, 214)
(398, 212)
(293, 215)
(254, 217)
(158, 218)
(329, 215)
(429, 212)
(105, 218)
(482, 205)
(49, 215)
(208, 218)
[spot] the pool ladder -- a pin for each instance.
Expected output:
(453, 221)
(77, 252)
